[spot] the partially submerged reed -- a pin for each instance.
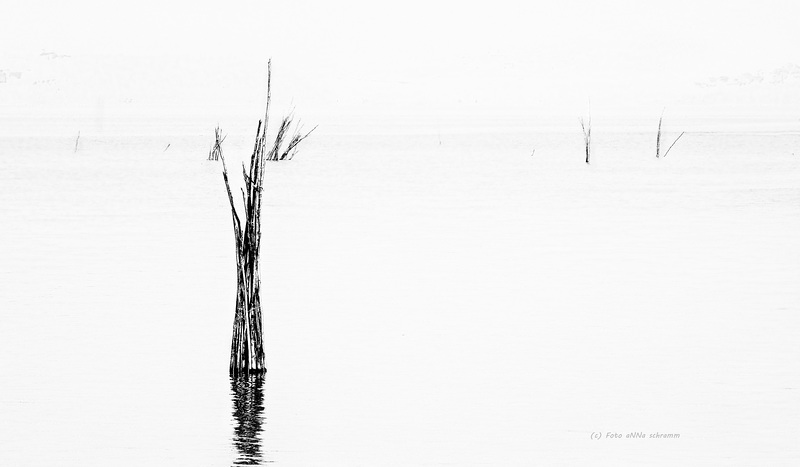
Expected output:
(586, 126)
(216, 149)
(247, 345)
(658, 139)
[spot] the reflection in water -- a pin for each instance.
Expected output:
(247, 392)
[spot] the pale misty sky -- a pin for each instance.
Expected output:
(441, 55)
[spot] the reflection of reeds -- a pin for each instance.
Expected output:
(247, 393)
(247, 349)
(586, 126)
(658, 138)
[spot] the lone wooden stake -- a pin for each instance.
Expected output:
(247, 344)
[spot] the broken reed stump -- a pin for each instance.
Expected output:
(658, 139)
(216, 149)
(586, 126)
(247, 344)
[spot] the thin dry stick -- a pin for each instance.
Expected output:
(673, 143)
(587, 135)
(658, 136)
(291, 149)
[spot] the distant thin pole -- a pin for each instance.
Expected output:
(586, 126)
(76, 142)
(658, 135)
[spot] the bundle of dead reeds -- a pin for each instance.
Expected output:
(216, 149)
(247, 347)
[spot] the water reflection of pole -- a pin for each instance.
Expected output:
(247, 391)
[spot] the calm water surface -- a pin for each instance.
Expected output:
(431, 299)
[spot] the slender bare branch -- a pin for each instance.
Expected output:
(673, 143)
(237, 228)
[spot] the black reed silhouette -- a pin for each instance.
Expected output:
(247, 345)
